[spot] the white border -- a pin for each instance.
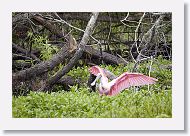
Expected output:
(174, 123)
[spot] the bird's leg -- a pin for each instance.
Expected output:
(94, 82)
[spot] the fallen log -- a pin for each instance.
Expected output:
(17, 48)
(67, 81)
(43, 67)
(108, 58)
(20, 57)
(20, 65)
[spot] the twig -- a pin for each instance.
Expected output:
(109, 28)
(125, 17)
(131, 21)
(122, 58)
(165, 44)
(136, 31)
(150, 69)
(63, 21)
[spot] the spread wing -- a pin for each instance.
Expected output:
(96, 69)
(109, 74)
(129, 79)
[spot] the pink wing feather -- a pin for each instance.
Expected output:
(95, 70)
(129, 79)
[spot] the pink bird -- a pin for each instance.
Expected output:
(120, 83)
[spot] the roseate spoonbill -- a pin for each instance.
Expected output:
(120, 83)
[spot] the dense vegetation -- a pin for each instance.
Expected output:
(81, 102)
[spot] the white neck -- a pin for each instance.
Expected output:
(98, 77)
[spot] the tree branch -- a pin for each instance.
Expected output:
(47, 24)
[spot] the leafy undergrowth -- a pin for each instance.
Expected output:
(79, 102)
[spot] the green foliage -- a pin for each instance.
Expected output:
(79, 102)
(81, 73)
(40, 42)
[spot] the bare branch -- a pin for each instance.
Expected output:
(60, 20)
(136, 31)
